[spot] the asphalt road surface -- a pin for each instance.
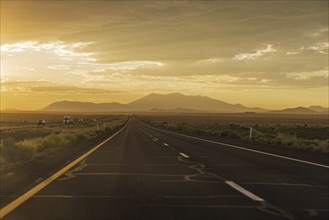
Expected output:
(147, 173)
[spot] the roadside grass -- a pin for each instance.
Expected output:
(18, 151)
(309, 137)
(21, 143)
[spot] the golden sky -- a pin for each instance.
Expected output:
(269, 54)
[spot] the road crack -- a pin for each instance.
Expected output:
(70, 174)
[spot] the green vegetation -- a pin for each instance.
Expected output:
(305, 134)
(25, 141)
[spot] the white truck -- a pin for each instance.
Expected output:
(68, 120)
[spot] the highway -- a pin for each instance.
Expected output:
(147, 173)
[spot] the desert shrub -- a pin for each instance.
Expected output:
(225, 133)
(234, 134)
(322, 147)
(293, 135)
(84, 136)
(70, 138)
(229, 133)
(11, 152)
(53, 141)
(24, 142)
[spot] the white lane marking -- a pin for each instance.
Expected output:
(128, 174)
(231, 165)
(82, 196)
(200, 206)
(318, 210)
(201, 197)
(119, 196)
(165, 144)
(184, 155)
(155, 139)
(9, 174)
(17, 202)
(244, 191)
(286, 184)
(38, 180)
(201, 165)
(105, 151)
(136, 165)
(246, 149)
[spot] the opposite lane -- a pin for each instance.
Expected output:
(142, 173)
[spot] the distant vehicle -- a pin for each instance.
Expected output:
(249, 113)
(80, 120)
(41, 122)
(67, 120)
(94, 119)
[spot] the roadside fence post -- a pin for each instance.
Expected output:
(250, 134)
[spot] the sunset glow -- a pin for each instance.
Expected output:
(260, 53)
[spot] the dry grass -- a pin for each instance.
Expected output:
(305, 132)
(22, 139)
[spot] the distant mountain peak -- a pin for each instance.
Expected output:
(173, 102)
(318, 108)
(296, 110)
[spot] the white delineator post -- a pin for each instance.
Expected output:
(250, 134)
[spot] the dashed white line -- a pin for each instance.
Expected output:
(286, 184)
(201, 196)
(165, 144)
(201, 165)
(244, 191)
(129, 174)
(200, 206)
(243, 148)
(184, 155)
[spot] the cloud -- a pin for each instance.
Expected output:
(57, 48)
(98, 68)
(128, 45)
(50, 88)
(293, 52)
(307, 75)
(58, 60)
(74, 89)
(320, 32)
(252, 56)
(321, 47)
(59, 67)
(212, 60)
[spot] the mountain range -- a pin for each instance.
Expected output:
(174, 102)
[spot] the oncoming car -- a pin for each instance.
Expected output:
(41, 122)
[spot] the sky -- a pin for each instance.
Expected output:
(269, 54)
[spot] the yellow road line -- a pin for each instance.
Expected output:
(13, 205)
